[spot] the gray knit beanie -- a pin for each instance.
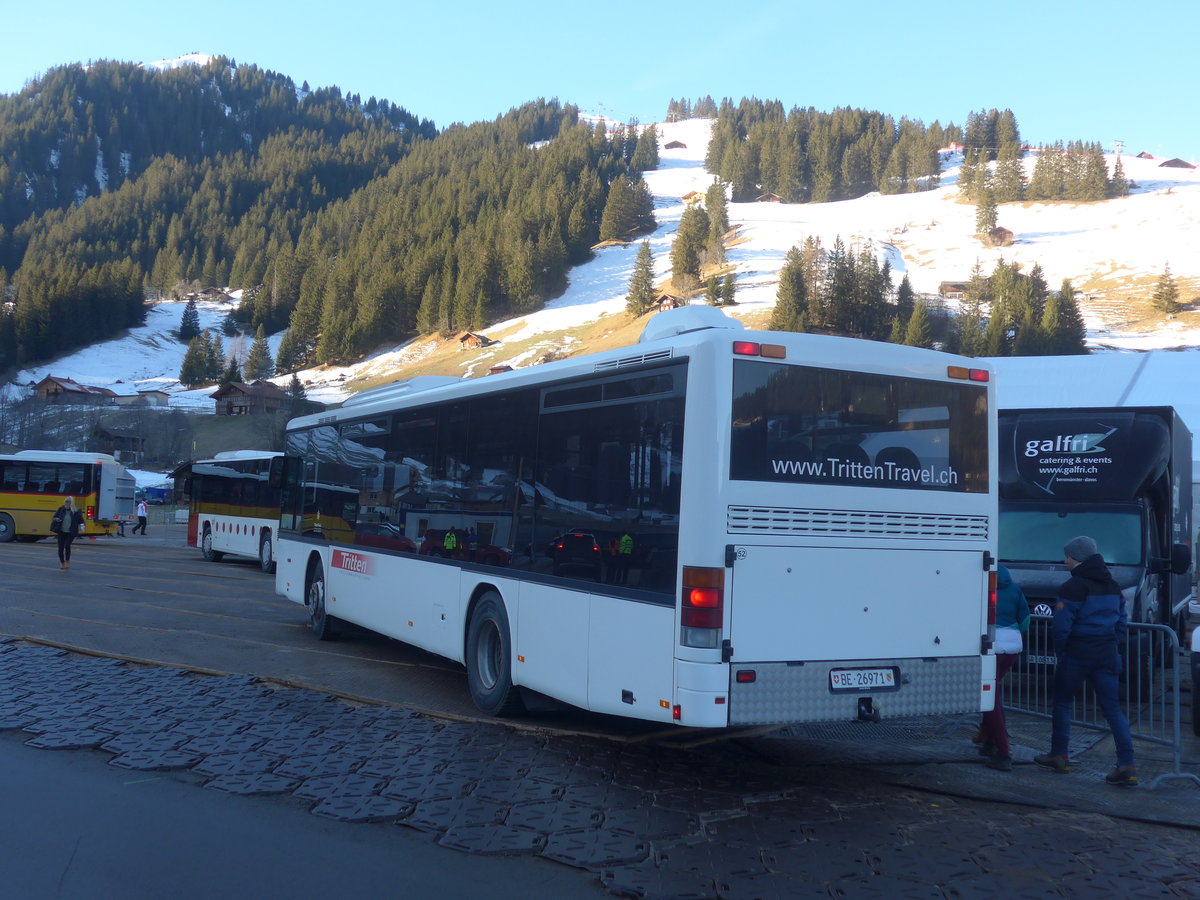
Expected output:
(1080, 548)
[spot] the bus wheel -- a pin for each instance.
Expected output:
(8, 529)
(266, 553)
(206, 546)
(489, 659)
(324, 626)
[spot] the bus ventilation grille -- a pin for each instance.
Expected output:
(626, 361)
(853, 523)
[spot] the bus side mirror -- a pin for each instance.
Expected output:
(1181, 559)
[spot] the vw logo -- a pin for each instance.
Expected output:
(1043, 609)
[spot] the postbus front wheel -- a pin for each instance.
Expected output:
(8, 528)
(489, 659)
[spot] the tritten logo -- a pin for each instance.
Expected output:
(353, 562)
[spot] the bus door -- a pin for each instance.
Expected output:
(105, 480)
(792, 604)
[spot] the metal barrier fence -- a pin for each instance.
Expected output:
(1150, 685)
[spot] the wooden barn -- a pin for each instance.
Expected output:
(999, 237)
(473, 341)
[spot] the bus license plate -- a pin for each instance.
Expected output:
(861, 679)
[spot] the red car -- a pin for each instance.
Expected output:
(434, 544)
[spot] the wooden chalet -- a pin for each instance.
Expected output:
(692, 197)
(54, 389)
(675, 145)
(1176, 163)
(472, 341)
(667, 301)
(952, 290)
(124, 445)
(240, 399)
(768, 198)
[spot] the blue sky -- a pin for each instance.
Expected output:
(1084, 69)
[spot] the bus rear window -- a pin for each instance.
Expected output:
(826, 426)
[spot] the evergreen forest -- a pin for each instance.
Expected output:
(353, 222)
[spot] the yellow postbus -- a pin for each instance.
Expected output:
(33, 484)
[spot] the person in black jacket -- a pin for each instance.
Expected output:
(66, 523)
(1089, 628)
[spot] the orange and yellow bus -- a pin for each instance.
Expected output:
(33, 484)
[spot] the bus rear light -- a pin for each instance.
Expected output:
(665, 704)
(746, 676)
(966, 374)
(676, 712)
(745, 348)
(91, 512)
(702, 610)
(991, 601)
(773, 351)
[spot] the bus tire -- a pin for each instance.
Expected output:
(489, 659)
(8, 528)
(324, 626)
(266, 553)
(206, 547)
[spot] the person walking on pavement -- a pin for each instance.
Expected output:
(66, 523)
(1089, 628)
(1012, 622)
(141, 514)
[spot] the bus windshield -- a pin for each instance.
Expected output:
(829, 426)
(1038, 533)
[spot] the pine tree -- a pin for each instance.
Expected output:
(685, 251)
(189, 325)
(229, 325)
(258, 361)
(728, 290)
(918, 333)
(641, 284)
(194, 369)
(904, 300)
(718, 223)
(645, 155)
(620, 216)
(233, 372)
(1119, 186)
(791, 298)
(216, 356)
(1166, 294)
(712, 292)
(297, 397)
(1062, 330)
(985, 211)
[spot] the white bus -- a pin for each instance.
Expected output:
(234, 504)
(714, 527)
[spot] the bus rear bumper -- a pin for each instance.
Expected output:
(779, 693)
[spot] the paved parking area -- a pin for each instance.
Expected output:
(891, 810)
